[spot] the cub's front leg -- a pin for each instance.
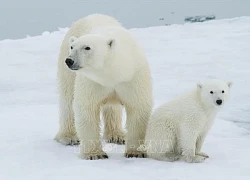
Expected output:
(188, 139)
(199, 143)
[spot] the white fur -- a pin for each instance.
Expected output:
(112, 72)
(177, 129)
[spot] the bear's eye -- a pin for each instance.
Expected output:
(87, 48)
(71, 47)
(222, 91)
(211, 92)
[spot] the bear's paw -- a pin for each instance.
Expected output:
(117, 138)
(194, 159)
(94, 155)
(202, 154)
(67, 139)
(134, 153)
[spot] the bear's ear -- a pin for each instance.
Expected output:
(199, 86)
(229, 84)
(72, 39)
(111, 42)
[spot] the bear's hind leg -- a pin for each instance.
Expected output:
(162, 144)
(112, 116)
(67, 133)
(66, 80)
(168, 156)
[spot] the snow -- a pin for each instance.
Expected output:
(179, 57)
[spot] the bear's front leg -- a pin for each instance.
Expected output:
(199, 143)
(137, 119)
(87, 118)
(188, 139)
(136, 96)
(87, 101)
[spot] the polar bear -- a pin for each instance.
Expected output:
(177, 129)
(102, 68)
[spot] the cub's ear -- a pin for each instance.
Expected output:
(199, 86)
(229, 84)
(72, 39)
(111, 42)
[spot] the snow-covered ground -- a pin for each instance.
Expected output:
(179, 56)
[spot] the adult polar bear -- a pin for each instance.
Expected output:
(101, 67)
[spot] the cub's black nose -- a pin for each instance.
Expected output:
(69, 62)
(219, 102)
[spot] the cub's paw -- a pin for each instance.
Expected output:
(171, 157)
(202, 154)
(94, 155)
(117, 138)
(134, 153)
(67, 139)
(194, 159)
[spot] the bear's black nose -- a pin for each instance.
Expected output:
(219, 102)
(69, 62)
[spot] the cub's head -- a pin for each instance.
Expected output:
(214, 92)
(88, 52)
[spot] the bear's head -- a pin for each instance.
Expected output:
(88, 52)
(214, 92)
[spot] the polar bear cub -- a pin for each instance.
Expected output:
(177, 129)
(102, 68)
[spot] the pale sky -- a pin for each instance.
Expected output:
(30, 17)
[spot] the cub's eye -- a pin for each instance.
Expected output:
(71, 47)
(87, 48)
(211, 92)
(222, 91)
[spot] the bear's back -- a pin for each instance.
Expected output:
(178, 109)
(88, 23)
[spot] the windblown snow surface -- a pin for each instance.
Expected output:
(179, 57)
